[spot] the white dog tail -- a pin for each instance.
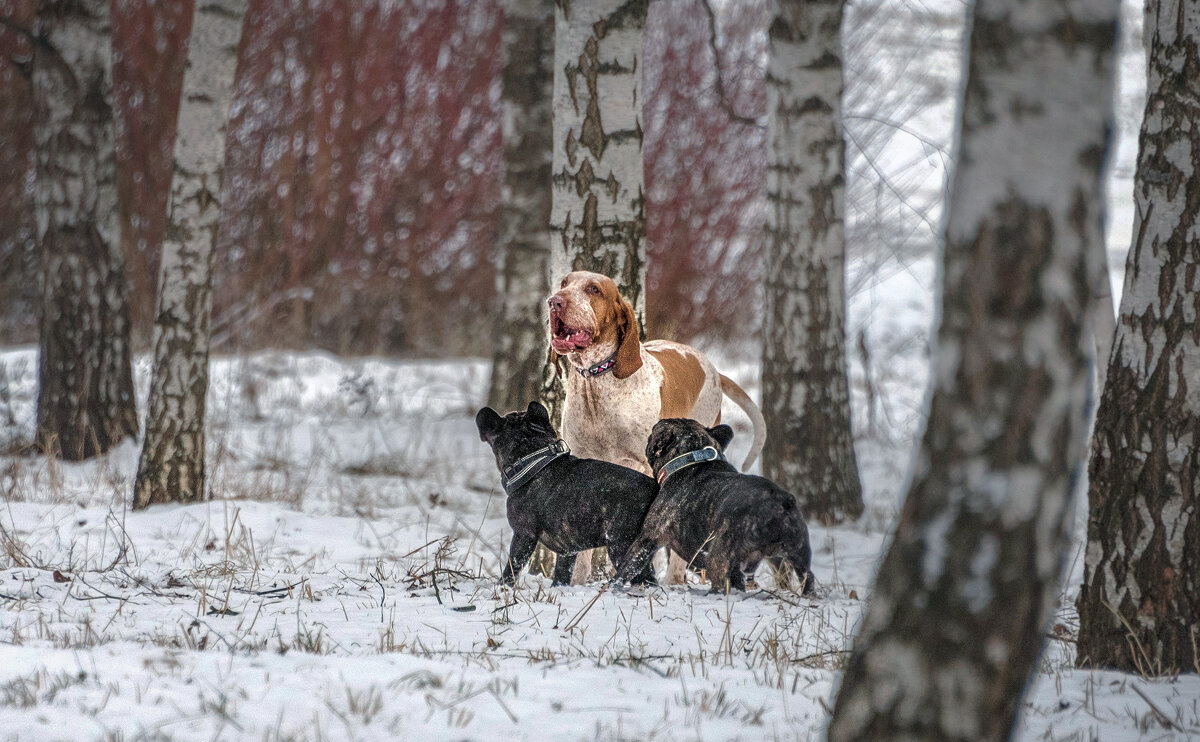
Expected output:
(730, 389)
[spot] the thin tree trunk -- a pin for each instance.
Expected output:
(1139, 609)
(806, 397)
(85, 377)
(171, 467)
(598, 220)
(523, 279)
(958, 611)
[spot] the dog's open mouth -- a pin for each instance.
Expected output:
(566, 339)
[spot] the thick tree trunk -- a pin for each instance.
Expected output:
(959, 608)
(85, 394)
(1139, 609)
(806, 397)
(598, 220)
(171, 467)
(523, 279)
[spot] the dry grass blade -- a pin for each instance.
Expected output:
(583, 611)
(1158, 713)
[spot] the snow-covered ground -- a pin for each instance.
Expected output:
(341, 583)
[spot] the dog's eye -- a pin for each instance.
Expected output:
(593, 289)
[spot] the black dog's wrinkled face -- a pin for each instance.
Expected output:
(677, 436)
(516, 434)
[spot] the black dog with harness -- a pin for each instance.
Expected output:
(568, 503)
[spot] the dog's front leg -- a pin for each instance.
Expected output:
(519, 551)
(636, 560)
(564, 564)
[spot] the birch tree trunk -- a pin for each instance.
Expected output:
(524, 276)
(171, 467)
(1106, 324)
(806, 397)
(972, 576)
(1139, 609)
(598, 218)
(85, 377)
(523, 279)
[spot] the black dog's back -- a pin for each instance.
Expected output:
(579, 503)
(770, 526)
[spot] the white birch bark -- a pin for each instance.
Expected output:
(959, 608)
(171, 467)
(85, 394)
(1139, 609)
(598, 218)
(523, 281)
(806, 397)
(1105, 325)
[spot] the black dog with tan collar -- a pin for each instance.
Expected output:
(568, 503)
(712, 515)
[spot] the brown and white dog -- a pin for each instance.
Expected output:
(619, 387)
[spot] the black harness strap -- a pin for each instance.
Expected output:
(518, 473)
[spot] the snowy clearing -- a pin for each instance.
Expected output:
(341, 585)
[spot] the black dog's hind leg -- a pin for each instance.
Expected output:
(800, 557)
(725, 564)
(519, 551)
(564, 565)
(737, 576)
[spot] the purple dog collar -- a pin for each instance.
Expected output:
(599, 368)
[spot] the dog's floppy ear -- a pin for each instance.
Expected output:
(538, 411)
(488, 422)
(629, 342)
(723, 434)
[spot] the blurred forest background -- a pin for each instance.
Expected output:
(365, 167)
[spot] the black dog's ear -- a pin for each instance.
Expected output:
(488, 422)
(538, 411)
(723, 434)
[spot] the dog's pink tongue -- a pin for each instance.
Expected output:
(575, 341)
(581, 339)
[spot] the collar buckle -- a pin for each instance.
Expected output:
(708, 453)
